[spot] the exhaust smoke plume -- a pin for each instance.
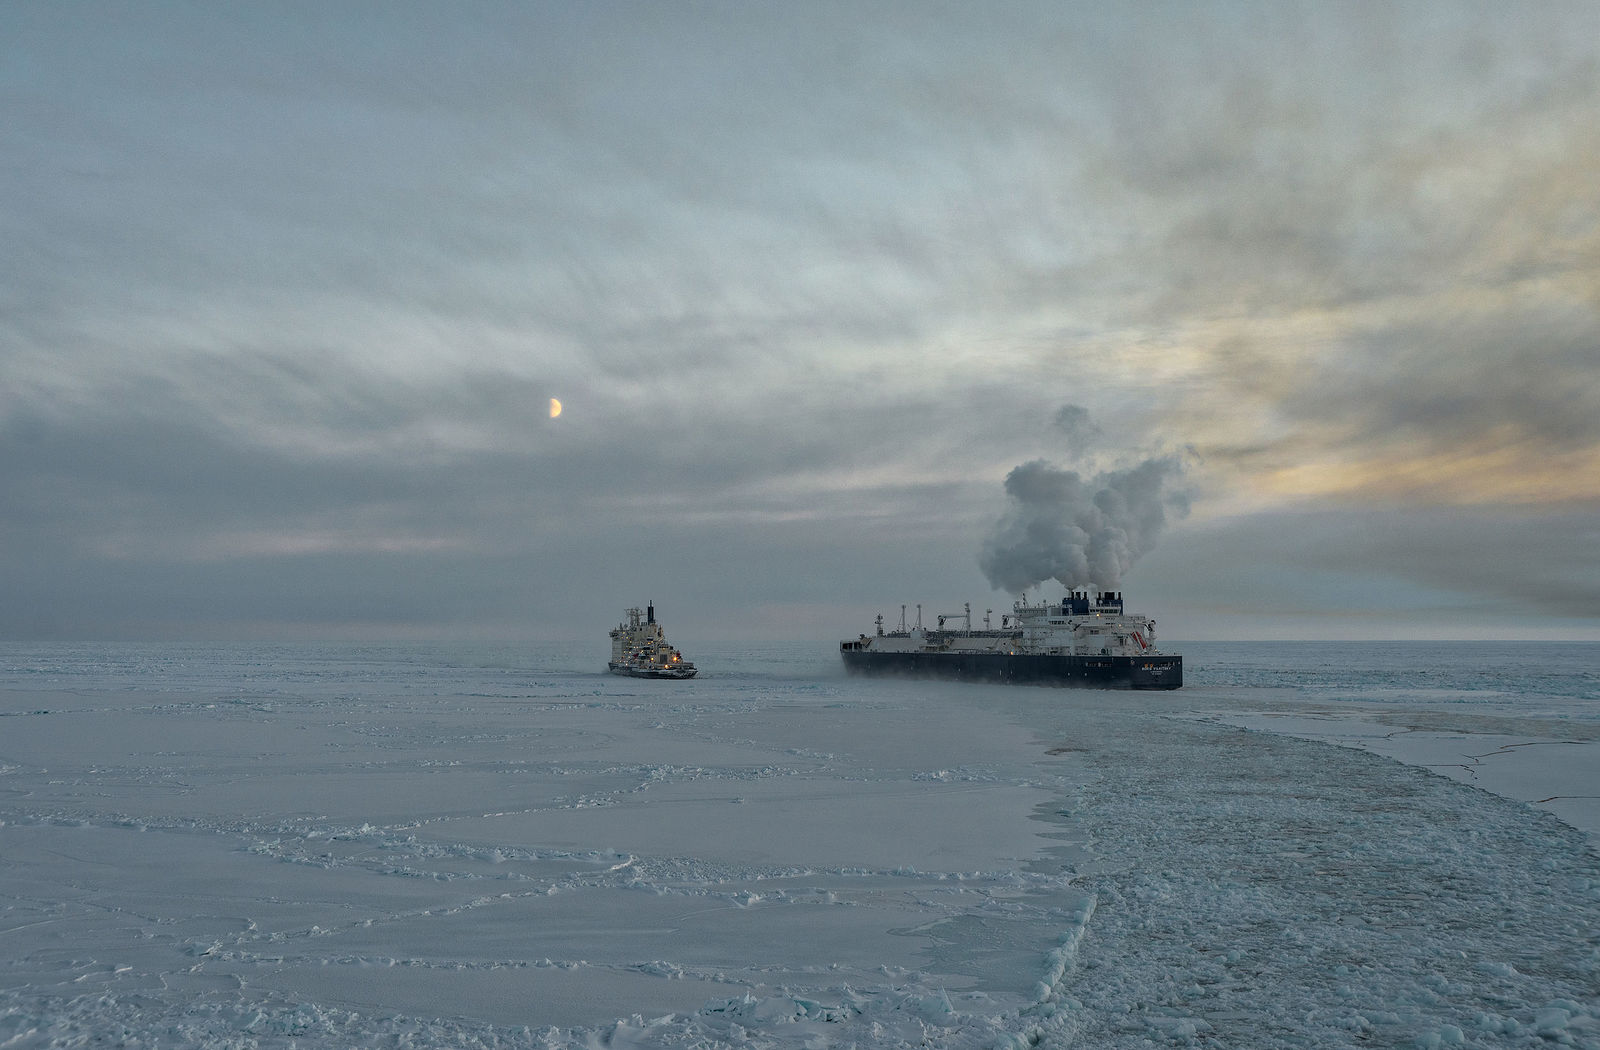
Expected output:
(1080, 531)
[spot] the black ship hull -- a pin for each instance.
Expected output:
(1089, 672)
(675, 673)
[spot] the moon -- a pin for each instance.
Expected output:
(555, 408)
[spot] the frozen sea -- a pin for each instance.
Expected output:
(1328, 845)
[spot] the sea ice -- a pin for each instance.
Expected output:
(329, 848)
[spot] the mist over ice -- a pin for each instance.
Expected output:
(1081, 531)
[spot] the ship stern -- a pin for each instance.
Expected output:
(1156, 672)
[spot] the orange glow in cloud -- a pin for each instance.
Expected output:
(1513, 475)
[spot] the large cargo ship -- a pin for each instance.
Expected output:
(639, 648)
(1081, 640)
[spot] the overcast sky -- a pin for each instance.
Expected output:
(286, 291)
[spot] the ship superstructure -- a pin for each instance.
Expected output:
(639, 648)
(1080, 640)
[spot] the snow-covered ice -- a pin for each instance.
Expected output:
(276, 846)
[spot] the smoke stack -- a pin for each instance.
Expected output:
(650, 612)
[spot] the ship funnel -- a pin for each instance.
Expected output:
(650, 613)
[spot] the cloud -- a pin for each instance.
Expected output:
(1326, 570)
(287, 297)
(1379, 300)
